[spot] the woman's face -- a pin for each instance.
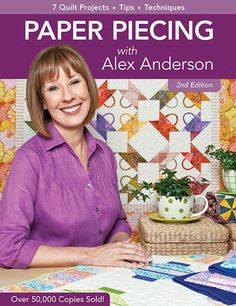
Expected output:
(67, 99)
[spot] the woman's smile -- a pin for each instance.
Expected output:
(71, 110)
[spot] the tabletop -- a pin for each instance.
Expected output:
(125, 286)
(12, 276)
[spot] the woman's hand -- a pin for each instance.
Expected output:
(124, 254)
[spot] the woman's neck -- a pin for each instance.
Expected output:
(74, 137)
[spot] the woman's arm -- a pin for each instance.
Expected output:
(120, 254)
(119, 237)
(17, 213)
(50, 256)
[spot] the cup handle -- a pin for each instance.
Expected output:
(204, 208)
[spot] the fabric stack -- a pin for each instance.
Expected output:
(219, 282)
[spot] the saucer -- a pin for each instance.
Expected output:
(156, 217)
(223, 191)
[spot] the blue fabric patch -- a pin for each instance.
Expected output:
(173, 267)
(162, 271)
(217, 268)
(38, 285)
(152, 274)
(178, 263)
(145, 278)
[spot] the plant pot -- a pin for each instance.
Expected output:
(229, 180)
(172, 208)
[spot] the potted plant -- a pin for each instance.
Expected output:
(175, 196)
(227, 161)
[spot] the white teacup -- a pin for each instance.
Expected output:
(172, 208)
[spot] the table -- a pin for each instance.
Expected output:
(126, 286)
(13, 276)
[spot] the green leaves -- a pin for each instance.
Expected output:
(170, 186)
(139, 194)
(226, 158)
(169, 173)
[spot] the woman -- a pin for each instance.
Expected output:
(60, 205)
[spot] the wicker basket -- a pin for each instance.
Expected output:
(232, 235)
(203, 236)
(232, 244)
(232, 230)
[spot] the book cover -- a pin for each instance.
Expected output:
(166, 77)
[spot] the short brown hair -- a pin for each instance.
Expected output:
(46, 66)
